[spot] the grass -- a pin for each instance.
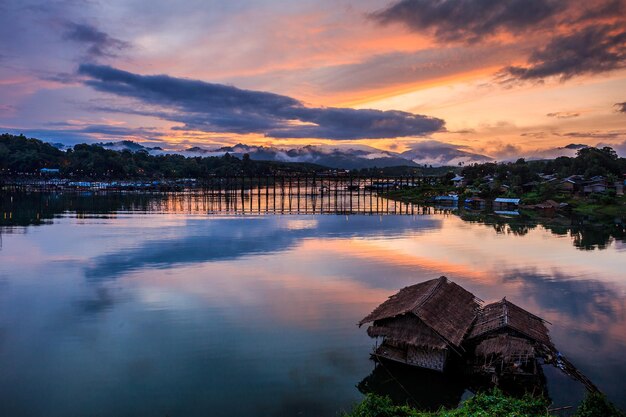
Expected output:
(597, 207)
(488, 404)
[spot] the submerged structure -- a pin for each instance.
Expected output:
(431, 324)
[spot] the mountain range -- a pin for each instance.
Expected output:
(335, 156)
(341, 156)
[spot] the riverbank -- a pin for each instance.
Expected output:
(592, 205)
(598, 207)
(422, 195)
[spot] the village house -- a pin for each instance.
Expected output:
(619, 187)
(506, 204)
(458, 181)
(49, 171)
(529, 186)
(597, 184)
(570, 184)
(474, 203)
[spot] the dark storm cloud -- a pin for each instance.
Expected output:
(591, 50)
(621, 107)
(606, 9)
(99, 43)
(108, 130)
(222, 108)
(468, 20)
(346, 123)
(595, 47)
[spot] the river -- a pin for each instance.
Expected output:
(156, 306)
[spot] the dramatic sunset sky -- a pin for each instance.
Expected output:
(503, 78)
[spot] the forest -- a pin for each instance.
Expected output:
(588, 162)
(21, 155)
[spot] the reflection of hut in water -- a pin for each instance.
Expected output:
(424, 324)
(474, 203)
(446, 200)
(422, 388)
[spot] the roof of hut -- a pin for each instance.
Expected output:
(506, 346)
(407, 329)
(505, 314)
(442, 305)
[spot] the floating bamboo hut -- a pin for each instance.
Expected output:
(506, 340)
(425, 324)
(428, 324)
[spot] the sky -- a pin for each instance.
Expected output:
(498, 78)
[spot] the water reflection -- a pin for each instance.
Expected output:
(585, 233)
(186, 314)
(431, 390)
(425, 389)
(231, 238)
(24, 209)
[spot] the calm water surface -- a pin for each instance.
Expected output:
(115, 312)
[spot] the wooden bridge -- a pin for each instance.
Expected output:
(268, 194)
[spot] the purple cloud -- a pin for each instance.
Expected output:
(99, 43)
(221, 108)
(468, 20)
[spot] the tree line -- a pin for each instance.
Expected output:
(588, 162)
(21, 155)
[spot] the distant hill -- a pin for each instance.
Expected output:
(19, 154)
(336, 156)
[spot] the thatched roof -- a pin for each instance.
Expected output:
(407, 329)
(504, 314)
(442, 305)
(505, 346)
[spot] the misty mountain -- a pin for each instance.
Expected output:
(353, 157)
(127, 145)
(438, 153)
(344, 156)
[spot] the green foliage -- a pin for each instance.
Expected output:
(21, 155)
(496, 404)
(595, 161)
(377, 406)
(596, 405)
(588, 162)
(18, 153)
(421, 194)
(490, 404)
(602, 206)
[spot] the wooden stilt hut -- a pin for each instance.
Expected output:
(427, 324)
(507, 340)
(422, 325)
